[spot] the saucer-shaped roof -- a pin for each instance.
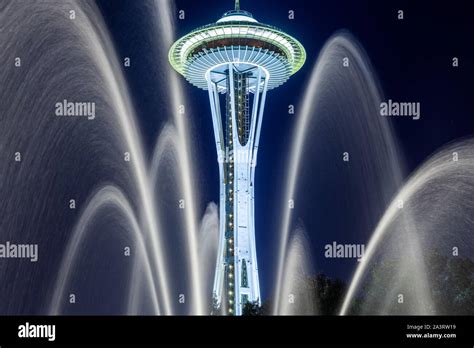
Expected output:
(237, 38)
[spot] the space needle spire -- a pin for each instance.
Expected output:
(237, 60)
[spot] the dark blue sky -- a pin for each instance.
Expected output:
(411, 57)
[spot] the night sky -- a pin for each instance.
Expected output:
(412, 58)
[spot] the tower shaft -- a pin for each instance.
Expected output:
(236, 280)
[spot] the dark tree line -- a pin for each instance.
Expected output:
(327, 292)
(450, 279)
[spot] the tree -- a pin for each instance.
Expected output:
(215, 306)
(330, 294)
(252, 309)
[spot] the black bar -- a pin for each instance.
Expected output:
(222, 331)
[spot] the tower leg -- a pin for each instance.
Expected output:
(236, 280)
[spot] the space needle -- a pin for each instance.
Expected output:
(237, 60)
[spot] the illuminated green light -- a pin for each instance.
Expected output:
(180, 55)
